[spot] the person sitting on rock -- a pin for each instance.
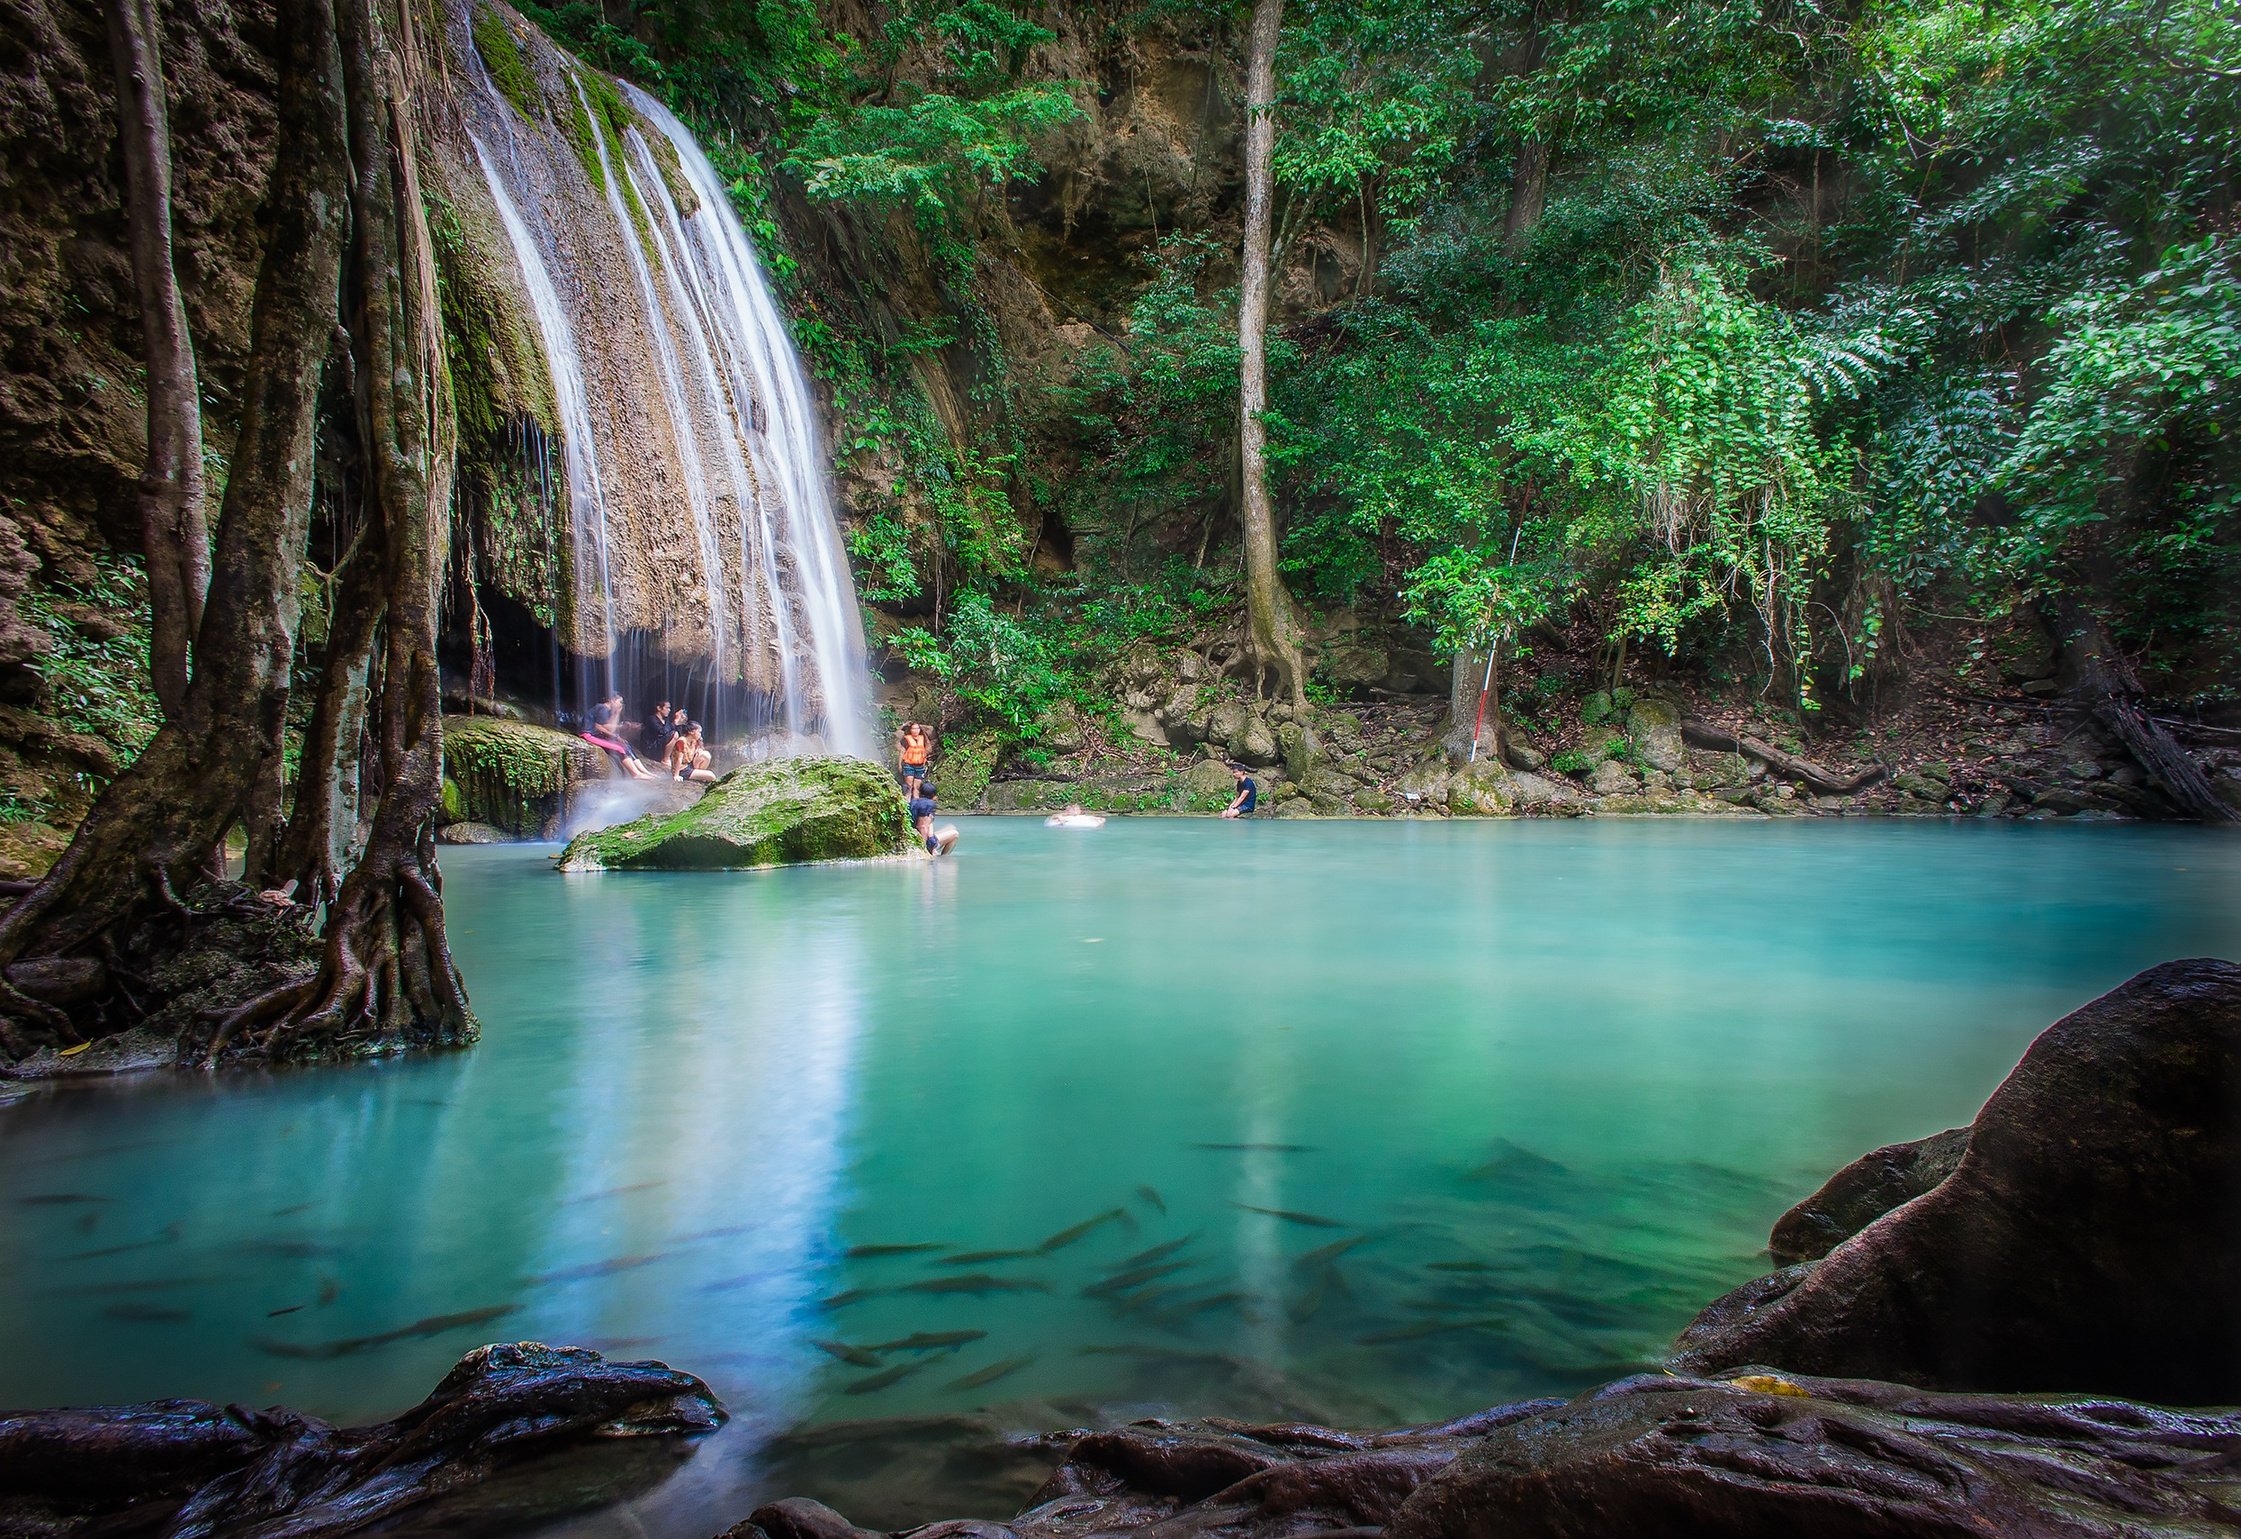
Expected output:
(687, 759)
(1248, 794)
(914, 752)
(654, 739)
(605, 733)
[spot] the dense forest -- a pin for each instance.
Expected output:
(1766, 344)
(1361, 392)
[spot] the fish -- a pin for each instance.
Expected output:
(147, 1314)
(57, 1199)
(301, 1207)
(874, 1252)
(289, 1250)
(1514, 1161)
(1312, 1220)
(1066, 1237)
(433, 1325)
(1156, 1253)
(855, 1356)
(274, 1314)
(877, 1381)
(1323, 1255)
(592, 1269)
(144, 1285)
(1150, 1195)
(982, 1378)
(1259, 1148)
(977, 1282)
(834, 1301)
(1199, 1306)
(1121, 1282)
(928, 1341)
(169, 1235)
(977, 1257)
(1433, 1328)
(612, 1191)
(1148, 1301)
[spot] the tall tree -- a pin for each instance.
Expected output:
(174, 534)
(1271, 624)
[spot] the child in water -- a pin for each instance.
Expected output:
(938, 840)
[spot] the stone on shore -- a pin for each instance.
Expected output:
(783, 812)
(2088, 1240)
(1863, 1192)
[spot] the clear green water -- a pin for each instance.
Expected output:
(1547, 1084)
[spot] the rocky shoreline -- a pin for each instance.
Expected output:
(1982, 1334)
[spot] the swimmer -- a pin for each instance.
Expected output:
(939, 841)
(1072, 816)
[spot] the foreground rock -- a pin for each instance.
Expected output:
(2088, 1239)
(1653, 1455)
(773, 814)
(512, 776)
(186, 1469)
(1863, 1192)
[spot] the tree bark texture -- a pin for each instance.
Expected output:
(386, 969)
(174, 533)
(163, 816)
(323, 826)
(1466, 681)
(1272, 628)
(2112, 692)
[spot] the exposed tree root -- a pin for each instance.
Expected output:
(1703, 734)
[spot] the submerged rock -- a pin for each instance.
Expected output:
(773, 814)
(2088, 1239)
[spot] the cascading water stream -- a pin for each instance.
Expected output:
(587, 498)
(793, 492)
(706, 546)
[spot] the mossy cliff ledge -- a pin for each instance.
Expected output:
(512, 775)
(781, 813)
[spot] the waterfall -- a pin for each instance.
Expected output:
(706, 541)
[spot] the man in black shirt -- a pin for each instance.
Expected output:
(1248, 794)
(653, 738)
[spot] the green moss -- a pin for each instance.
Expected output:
(576, 126)
(966, 763)
(509, 71)
(673, 174)
(780, 813)
(508, 773)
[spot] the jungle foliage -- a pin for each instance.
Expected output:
(1750, 331)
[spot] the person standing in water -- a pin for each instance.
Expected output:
(1248, 794)
(938, 841)
(914, 752)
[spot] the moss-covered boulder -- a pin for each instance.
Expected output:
(511, 775)
(775, 814)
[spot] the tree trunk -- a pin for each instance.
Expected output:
(2111, 691)
(163, 816)
(1272, 628)
(1528, 193)
(386, 970)
(1469, 678)
(174, 534)
(323, 827)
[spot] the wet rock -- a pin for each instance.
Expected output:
(60, 980)
(1427, 783)
(1538, 794)
(1356, 669)
(1208, 786)
(1763, 1455)
(1371, 799)
(1301, 746)
(776, 813)
(1518, 756)
(471, 833)
(1752, 1457)
(192, 1470)
(1863, 1192)
(1921, 787)
(2086, 1240)
(1482, 788)
(513, 775)
(1254, 742)
(1655, 726)
(1612, 778)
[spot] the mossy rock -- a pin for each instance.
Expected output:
(781, 813)
(510, 774)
